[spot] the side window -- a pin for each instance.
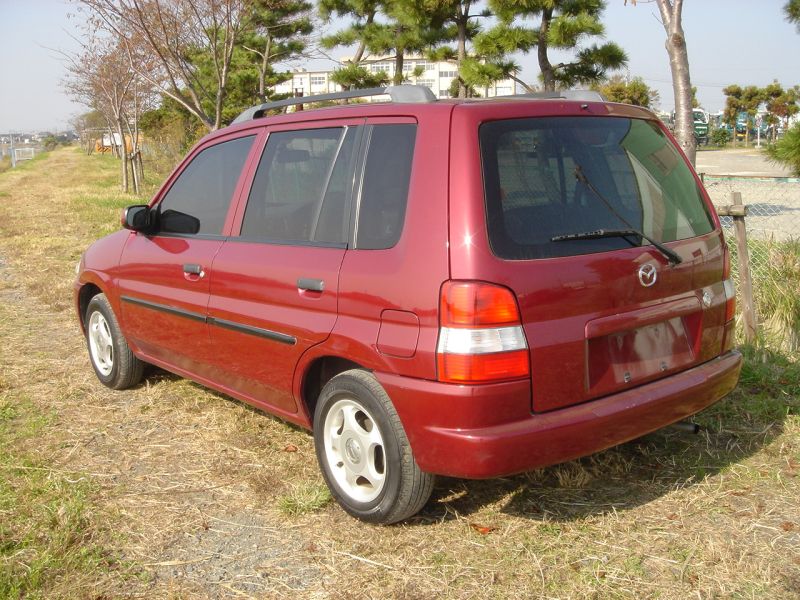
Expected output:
(198, 201)
(384, 191)
(302, 187)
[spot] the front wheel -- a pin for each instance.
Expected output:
(112, 359)
(364, 453)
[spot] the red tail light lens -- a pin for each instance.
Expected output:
(471, 304)
(481, 337)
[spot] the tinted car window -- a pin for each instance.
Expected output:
(198, 201)
(384, 192)
(301, 191)
(533, 193)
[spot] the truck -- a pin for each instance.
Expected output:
(700, 125)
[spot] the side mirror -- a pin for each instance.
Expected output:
(136, 218)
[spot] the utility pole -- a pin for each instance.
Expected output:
(13, 157)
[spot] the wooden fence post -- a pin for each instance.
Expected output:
(745, 282)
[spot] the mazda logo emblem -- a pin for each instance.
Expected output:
(648, 275)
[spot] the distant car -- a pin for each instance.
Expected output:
(461, 288)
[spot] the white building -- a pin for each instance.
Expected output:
(438, 76)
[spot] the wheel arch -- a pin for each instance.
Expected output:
(85, 294)
(314, 377)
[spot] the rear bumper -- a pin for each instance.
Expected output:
(481, 431)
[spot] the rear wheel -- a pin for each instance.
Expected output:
(364, 453)
(112, 359)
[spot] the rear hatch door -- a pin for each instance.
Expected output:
(570, 204)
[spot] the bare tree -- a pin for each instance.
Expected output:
(100, 78)
(679, 66)
(181, 47)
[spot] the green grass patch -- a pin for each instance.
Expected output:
(775, 273)
(50, 542)
(303, 499)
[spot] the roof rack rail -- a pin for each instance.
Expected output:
(585, 95)
(415, 94)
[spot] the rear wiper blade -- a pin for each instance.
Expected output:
(595, 235)
(671, 256)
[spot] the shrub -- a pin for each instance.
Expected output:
(786, 151)
(720, 137)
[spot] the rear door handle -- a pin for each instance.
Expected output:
(311, 285)
(193, 269)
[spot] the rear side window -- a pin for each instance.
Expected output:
(384, 190)
(302, 187)
(533, 193)
(198, 201)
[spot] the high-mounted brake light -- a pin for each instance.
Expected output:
(481, 337)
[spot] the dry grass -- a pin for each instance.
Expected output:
(189, 494)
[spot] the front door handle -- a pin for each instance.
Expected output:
(310, 285)
(194, 269)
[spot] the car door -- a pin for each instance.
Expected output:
(163, 277)
(275, 284)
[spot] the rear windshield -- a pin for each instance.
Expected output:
(551, 177)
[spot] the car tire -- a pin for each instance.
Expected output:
(112, 360)
(363, 451)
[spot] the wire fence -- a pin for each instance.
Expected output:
(773, 214)
(772, 225)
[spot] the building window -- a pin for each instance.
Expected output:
(448, 73)
(426, 82)
(318, 80)
(385, 66)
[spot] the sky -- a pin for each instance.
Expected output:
(747, 42)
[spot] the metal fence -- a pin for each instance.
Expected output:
(773, 213)
(769, 298)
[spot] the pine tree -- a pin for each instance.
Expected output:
(792, 11)
(278, 31)
(781, 104)
(635, 91)
(362, 14)
(459, 26)
(393, 27)
(554, 24)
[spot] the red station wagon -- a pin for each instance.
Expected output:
(463, 288)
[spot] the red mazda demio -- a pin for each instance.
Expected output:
(470, 288)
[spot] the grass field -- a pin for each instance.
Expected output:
(172, 491)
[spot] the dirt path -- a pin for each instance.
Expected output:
(178, 468)
(206, 498)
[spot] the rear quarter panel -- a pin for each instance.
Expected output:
(407, 277)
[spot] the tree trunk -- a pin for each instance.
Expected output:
(681, 82)
(548, 75)
(462, 49)
(398, 67)
(262, 71)
(114, 151)
(123, 152)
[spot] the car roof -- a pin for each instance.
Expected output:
(534, 105)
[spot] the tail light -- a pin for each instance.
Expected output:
(480, 338)
(730, 289)
(729, 334)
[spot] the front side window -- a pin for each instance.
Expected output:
(549, 182)
(302, 187)
(198, 201)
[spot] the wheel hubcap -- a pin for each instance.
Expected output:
(101, 345)
(354, 450)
